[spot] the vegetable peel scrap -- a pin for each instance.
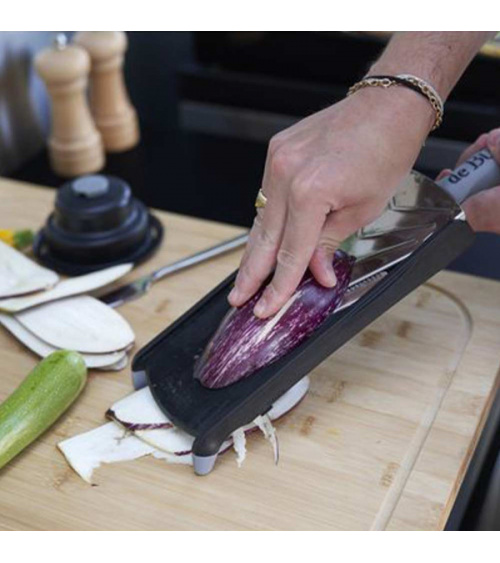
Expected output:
(239, 445)
(265, 425)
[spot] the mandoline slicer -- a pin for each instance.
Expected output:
(421, 232)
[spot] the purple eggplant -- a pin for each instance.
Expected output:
(243, 343)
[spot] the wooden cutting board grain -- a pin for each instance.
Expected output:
(382, 441)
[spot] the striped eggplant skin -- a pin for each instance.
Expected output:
(243, 343)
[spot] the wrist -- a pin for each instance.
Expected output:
(401, 108)
(406, 81)
(394, 68)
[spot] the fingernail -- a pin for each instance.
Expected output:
(260, 309)
(332, 278)
(443, 174)
(234, 296)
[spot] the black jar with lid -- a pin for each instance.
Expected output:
(96, 223)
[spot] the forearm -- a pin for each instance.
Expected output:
(440, 57)
(333, 172)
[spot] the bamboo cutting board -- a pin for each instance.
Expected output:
(382, 441)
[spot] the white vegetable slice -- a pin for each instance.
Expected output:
(112, 443)
(66, 288)
(42, 349)
(172, 441)
(109, 443)
(139, 411)
(116, 366)
(80, 323)
(106, 444)
(138, 408)
(290, 399)
(20, 275)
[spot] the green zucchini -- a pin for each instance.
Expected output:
(39, 401)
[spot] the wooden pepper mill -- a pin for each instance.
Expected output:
(75, 145)
(113, 113)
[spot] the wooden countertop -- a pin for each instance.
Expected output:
(382, 441)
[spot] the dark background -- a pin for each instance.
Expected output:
(209, 102)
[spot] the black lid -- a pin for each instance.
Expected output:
(96, 223)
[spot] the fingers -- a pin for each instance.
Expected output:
(479, 143)
(304, 222)
(490, 140)
(493, 143)
(443, 174)
(260, 254)
(338, 226)
(321, 264)
(311, 240)
(483, 211)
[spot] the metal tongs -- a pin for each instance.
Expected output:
(421, 232)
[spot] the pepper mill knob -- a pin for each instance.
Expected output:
(114, 115)
(75, 145)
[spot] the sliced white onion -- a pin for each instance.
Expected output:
(80, 323)
(20, 275)
(66, 288)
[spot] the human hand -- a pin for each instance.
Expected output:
(325, 177)
(483, 209)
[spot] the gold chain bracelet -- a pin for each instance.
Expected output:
(413, 82)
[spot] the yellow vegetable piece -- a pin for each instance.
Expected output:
(7, 236)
